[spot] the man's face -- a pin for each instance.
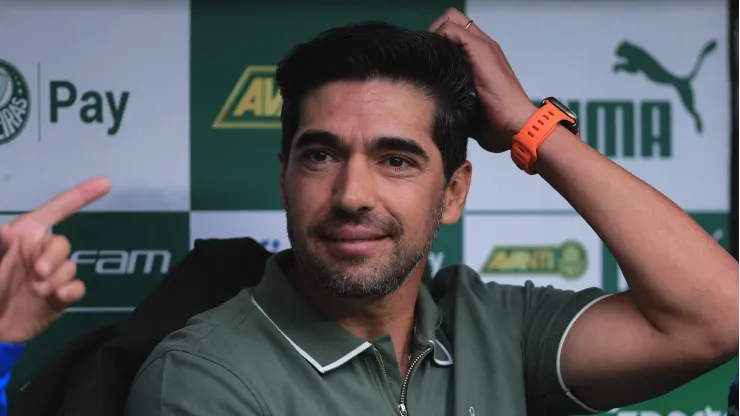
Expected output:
(364, 186)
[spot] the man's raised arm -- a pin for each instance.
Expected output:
(680, 317)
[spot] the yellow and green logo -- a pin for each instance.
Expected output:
(568, 260)
(254, 103)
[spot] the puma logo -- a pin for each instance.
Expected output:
(636, 59)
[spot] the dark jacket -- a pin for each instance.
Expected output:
(92, 375)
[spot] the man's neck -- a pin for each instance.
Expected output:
(367, 319)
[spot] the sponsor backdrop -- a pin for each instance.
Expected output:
(176, 103)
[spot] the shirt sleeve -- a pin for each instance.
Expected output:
(180, 383)
(9, 356)
(549, 314)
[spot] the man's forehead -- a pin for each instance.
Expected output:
(365, 91)
(358, 111)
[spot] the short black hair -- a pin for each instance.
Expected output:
(378, 50)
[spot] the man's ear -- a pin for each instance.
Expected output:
(456, 193)
(281, 176)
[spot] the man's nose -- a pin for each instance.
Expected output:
(355, 189)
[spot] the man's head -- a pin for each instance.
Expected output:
(375, 127)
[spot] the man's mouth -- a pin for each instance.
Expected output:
(353, 233)
(353, 240)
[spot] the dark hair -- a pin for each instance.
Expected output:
(376, 50)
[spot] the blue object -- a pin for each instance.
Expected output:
(9, 355)
(732, 398)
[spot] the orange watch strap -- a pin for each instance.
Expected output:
(525, 143)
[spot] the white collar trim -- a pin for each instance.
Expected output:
(321, 368)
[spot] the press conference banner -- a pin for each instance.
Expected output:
(176, 103)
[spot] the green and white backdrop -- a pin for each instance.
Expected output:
(176, 103)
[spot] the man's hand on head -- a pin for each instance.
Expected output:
(506, 107)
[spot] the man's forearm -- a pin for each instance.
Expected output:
(679, 277)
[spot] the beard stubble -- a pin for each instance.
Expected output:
(375, 280)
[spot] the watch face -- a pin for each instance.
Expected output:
(562, 107)
(574, 127)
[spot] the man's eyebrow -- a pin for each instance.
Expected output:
(400, 144)
(332, 141)
(317, 138)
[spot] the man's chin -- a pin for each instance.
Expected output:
(355, 271)
(354, 284)
(354, 276)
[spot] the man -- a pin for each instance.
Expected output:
(37, 280)
(375, 121)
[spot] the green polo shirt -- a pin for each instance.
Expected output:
(481, 349)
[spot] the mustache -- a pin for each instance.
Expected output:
(386, 226)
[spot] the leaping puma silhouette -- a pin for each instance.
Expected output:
(637, 60)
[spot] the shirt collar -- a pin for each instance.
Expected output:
(429, 320)
(321, 341)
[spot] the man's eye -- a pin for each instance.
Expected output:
(397, 162)
(318, 156)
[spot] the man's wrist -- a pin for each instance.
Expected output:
(520, 118)
(557, 143)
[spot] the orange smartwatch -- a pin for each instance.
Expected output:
(525, 143)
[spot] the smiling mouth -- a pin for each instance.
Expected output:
(354, 241)
(357, 247)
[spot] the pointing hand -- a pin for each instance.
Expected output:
(37, 280)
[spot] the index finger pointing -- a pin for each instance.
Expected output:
(66, 203)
